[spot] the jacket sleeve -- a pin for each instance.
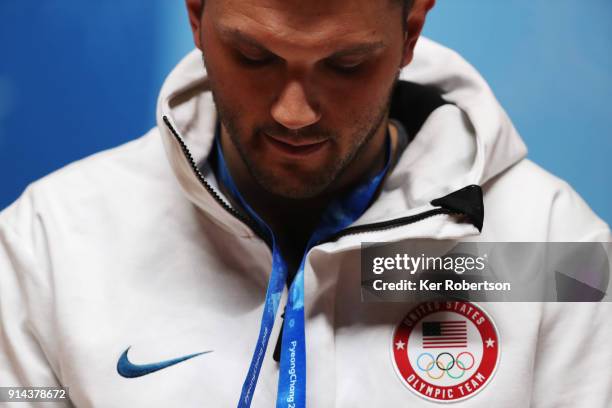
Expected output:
(26, 317)
(573, 364)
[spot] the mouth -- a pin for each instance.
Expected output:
(301, 148)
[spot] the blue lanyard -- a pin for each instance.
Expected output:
(338, 215)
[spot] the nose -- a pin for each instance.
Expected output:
(292, 109)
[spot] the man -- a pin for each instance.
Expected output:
(313, 127)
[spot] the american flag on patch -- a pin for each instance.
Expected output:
(447, 334)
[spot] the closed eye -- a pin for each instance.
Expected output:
(345, 68)
(255, 61)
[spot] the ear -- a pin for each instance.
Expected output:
(414, 24)
(194, 9)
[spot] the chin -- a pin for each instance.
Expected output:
(291, 183)
(292, 192)
(295, 191)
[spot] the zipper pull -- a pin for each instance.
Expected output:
(467, 201)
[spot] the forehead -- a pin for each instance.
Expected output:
(308, 22)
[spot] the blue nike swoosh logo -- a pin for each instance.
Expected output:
(129, 370)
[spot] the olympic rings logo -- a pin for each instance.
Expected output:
(446, 362)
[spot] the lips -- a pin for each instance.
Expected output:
(301, 148)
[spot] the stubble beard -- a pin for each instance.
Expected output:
(318, 183)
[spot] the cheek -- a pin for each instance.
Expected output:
(350, 100)
(238, 97)
(242, 92)
(361, 93)
(352, 105)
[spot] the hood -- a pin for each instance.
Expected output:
(466, 142)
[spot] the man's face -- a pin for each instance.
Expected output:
(302, 87)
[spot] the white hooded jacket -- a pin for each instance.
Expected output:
(135, 247)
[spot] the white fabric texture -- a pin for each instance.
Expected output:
(127, 248)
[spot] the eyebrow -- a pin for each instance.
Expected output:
(237, 35)
(351, 50)
(359, 49)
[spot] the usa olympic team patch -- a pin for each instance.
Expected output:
(446, 351)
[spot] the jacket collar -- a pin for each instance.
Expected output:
(466, 143)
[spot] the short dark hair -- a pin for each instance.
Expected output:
(407, 6)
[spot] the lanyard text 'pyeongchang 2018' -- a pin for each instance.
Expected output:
(292, 376)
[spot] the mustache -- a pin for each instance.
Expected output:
(313, 133)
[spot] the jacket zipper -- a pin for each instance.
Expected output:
(231, 210)
(359, 229)
(386, 225)
(362, 229)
